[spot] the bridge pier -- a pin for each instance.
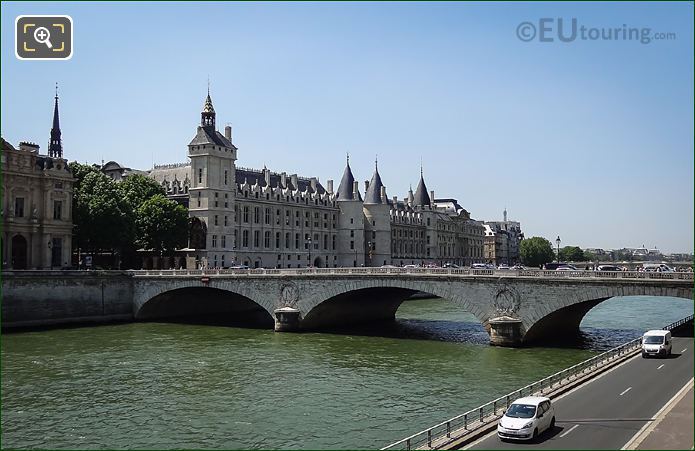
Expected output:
(287, 319)
(505, 331)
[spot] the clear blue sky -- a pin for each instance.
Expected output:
(589, 140)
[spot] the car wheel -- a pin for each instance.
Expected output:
(552, 424)
(535, 435)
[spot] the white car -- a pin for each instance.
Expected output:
(526, 418)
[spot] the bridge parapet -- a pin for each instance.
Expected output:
(526, 273)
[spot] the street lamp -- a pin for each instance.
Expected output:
(309, 251)
(558, 248)
(369, 250)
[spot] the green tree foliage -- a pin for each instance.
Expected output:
(136, 189)
(536, 251)
(162, 224)
(103, 220)
(572, 254)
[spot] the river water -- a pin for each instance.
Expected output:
(159, 385)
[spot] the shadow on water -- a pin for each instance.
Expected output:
(416, 329)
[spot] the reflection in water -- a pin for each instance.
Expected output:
(159, 385)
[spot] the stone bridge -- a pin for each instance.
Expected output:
(515, 307)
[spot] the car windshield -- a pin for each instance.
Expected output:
(653, 339)
(521, 411)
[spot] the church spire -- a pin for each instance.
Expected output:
(55, 145)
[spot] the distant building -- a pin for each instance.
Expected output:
(37, 204)
(502, 241)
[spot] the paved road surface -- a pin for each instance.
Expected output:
(609, 410)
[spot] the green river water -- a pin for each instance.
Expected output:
(159, 385)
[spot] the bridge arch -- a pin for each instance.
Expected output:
(361, 300)
(192, 300)
(562, 320)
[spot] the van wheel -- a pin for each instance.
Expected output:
(552, 424)
(534, 437)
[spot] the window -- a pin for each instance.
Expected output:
(226, 174)
(333, 247)
(216, 202)
(277, 217)
(224, 241)
(225, 221)
(267, 215)
(277, 240)
(216, 218)
(325, 242)
(199, 198)
(214, 241)
(296, 241)
(245, 238)
(246, 213)
(352, 233)
(19, 207)
(351, 220)
(428, 222)
(266, 239)
(226, 200)
(256, 215)
(200, 175)
(352, 244)
(256, 238)
(57, 209)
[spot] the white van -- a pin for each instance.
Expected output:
(657, 343)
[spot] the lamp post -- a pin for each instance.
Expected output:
(50, 255)
(309, 241)
(558, 248)
(369, 251)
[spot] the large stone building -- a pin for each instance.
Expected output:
(37, 204)
(262, 218)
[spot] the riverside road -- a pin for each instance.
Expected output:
(608, 411)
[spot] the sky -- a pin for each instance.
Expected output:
(590, 140)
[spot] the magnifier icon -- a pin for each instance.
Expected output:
(42, 36)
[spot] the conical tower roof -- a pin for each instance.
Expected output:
(373, 195)
(346, 184)
(421, 198)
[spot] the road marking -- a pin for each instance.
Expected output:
(627, 390)
(684, 350)
(660, 366)
(570, 430)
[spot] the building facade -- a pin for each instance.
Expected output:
(37, 204)
(263, 218)
(502, 241)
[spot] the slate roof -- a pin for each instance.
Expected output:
(346, 185)
(421, 198)
(208, 135)
(257, 177)
(373, 194)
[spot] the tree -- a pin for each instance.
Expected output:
(536, 251)
(136, 189)
(162, 224)
(103, 220)
(572, 254)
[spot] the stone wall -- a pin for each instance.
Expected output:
(61, 297)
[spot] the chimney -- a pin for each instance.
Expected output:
(228, 132)
(283, 179)
(293, 178)
(356, 190)
(313, 182)
(384, 200)
(329, 187)
(395, 200)
(366, 185)
(266, 174)
(432, 198)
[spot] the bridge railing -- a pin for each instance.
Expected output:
(483, 415)
(524, 273)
